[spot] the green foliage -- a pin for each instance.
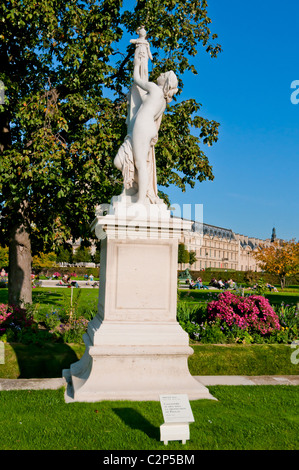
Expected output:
(192, 257)
(43, 260)
(211, 332)
(190, 163)
(246, 278)
(61, 125)
(194, 319)
(183, 254)
(82, 255)
(4, 256)
(289, 321)
(96, 257)
(66, 76)
(261, 287)
(64, 254)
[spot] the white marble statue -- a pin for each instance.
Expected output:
(146, 105)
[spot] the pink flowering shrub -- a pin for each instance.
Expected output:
(253, 313)
(12, 317)
(4, 316)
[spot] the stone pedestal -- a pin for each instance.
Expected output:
(135, 348)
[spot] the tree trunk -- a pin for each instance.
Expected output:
(282, 282)
(19, 272)
(5, 135)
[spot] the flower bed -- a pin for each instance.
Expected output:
(232, 318)
(253, 313)
(19, 325)
(13, 319)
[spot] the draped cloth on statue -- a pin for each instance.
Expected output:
(125, 154)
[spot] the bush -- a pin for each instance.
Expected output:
(194, 320)
(14, 317)
(288, 316)
(13, 320)
(212, 332)
(191, 312)
(29, 325)
(32, 335)
(231, 318)
(252, 313)
(72, 331)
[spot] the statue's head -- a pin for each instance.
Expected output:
(141, 31)
(169, 83)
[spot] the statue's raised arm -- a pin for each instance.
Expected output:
(147, 103)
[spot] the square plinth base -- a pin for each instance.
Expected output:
(151, 360)
(135, 348)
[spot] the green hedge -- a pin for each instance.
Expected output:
(240, 277)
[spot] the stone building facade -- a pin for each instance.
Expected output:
(217, 247)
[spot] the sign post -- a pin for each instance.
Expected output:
(177, 415)
(2, 353)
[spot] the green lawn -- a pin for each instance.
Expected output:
(240, 359)
(26, 361)
(247, 417)
(242, 418)
(48, 298)
(287, 296)
(48, 360)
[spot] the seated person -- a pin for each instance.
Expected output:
(199, 284)
(213, 282)
(229, 284)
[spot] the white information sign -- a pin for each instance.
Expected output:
(176, 409)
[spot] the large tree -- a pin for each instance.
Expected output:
(280, 258)
(66, 73)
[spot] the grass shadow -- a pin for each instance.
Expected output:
(4, 295)
(43, 361)
(135, 420)
(47, 297)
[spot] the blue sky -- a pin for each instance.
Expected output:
(247, 89)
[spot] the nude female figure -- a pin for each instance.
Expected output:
(144, 125)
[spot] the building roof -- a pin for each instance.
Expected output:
(213, 230)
